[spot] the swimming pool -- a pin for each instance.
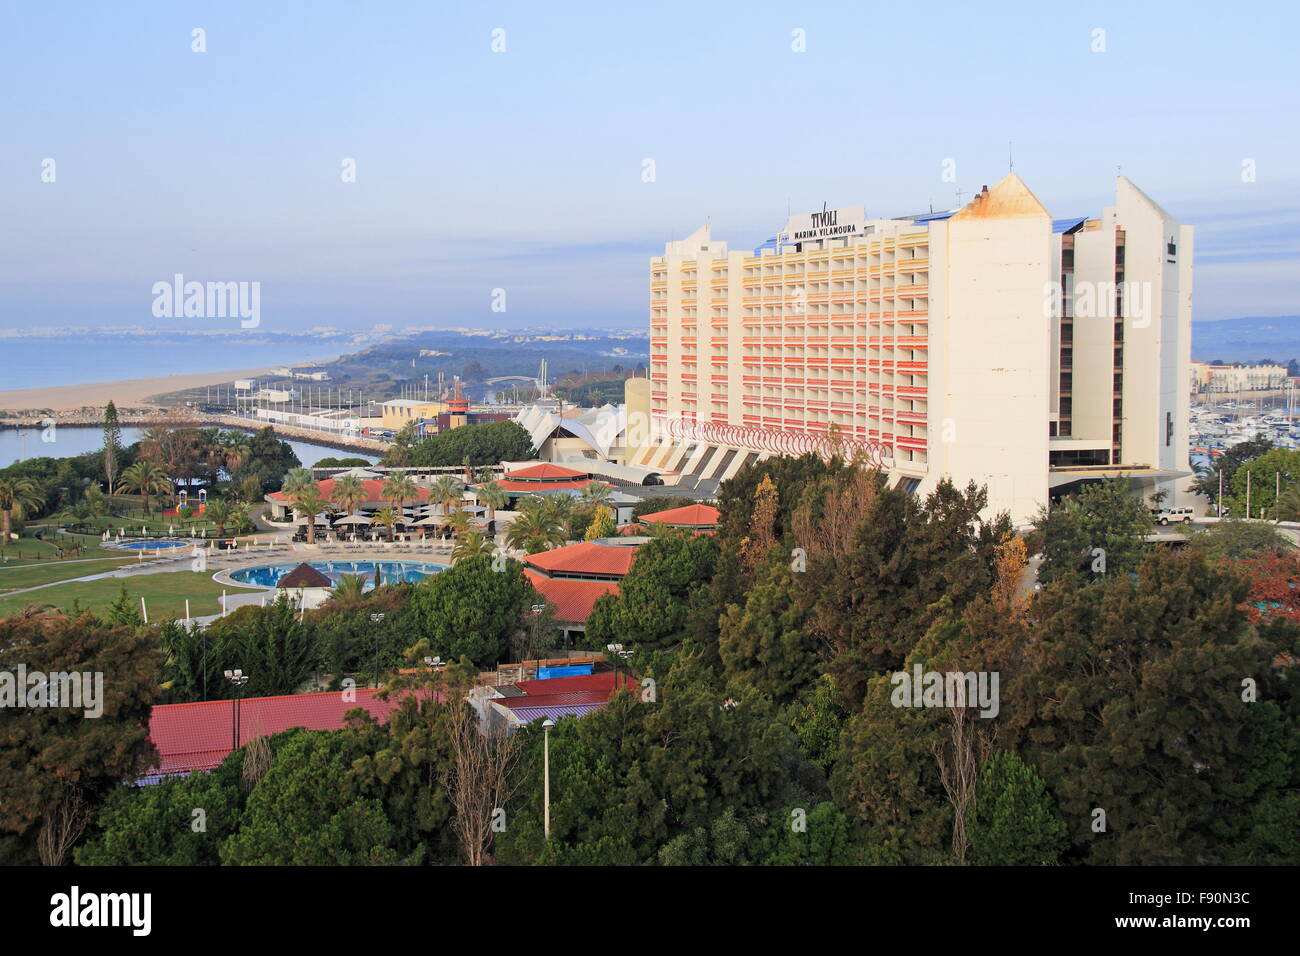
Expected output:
(147, 544)
(390, 572)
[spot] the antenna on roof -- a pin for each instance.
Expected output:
(959, 195)
(1011, 163)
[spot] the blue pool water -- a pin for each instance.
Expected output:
(146, 544)
(390, 572)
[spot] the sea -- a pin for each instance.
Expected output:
(86, 360)
(19, 444)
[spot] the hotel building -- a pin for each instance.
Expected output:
(991, 343)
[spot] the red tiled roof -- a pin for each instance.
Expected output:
(700, 516)
(603, 681)
(563, 696)
(553, 700)
(372, 488)
(586, 557)
(197, 736)
(527, 486)
(546, 471)
(573, 600)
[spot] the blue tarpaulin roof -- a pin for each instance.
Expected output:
(1067, 225)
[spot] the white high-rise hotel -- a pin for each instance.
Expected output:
(992, 343)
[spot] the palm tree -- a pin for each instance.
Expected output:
(350, 591)
(219, 512)
(310, 502)
(400, 489)
(18, 496)
(492, 496)
(472, 544)
(534, 530)
(597, 493)
(560, 507)
(145, 479)
(348, 492)
(385, 517)
(446, 491)
(459, 522)
(297, 480)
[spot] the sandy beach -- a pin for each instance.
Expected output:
(125, 394)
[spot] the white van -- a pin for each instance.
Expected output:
(1166, 515)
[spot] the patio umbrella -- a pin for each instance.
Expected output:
(431, 521)
(352, 519)
(321, 518)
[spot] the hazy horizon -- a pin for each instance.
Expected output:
(133, 158)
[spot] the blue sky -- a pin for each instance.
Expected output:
(522, 170)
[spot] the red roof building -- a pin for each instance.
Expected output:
(547, 472)
(544, 477)
(586, 560)
(561, 697)
(573, 600)
(199, 736)
(704, 517)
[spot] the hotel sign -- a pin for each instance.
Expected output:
(845, 223)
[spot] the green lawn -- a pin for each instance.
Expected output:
(13, 577)
(32, 551)
(164, 594)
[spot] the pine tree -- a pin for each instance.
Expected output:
(112, 445)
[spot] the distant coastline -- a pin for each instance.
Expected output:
(128, 393)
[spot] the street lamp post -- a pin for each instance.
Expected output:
(547, 724)
(618, 653)
(239, 679)
(375, 619)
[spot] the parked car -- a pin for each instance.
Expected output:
(1166, 515)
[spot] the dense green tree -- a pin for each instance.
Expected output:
(57, 763)
(654, 606)
(1208, 479)
(472, 609)
(767, 642)
(310, 809)
(1104, 515)
(1014, 822)
(872, 602)
(634, 776)
(1265, 472)
(817, 719)
(181, 821)
(488, 443)
(1129, 699)
(268, 460)
(1234, 539)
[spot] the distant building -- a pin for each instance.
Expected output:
(400, 412)
(1238, 378)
